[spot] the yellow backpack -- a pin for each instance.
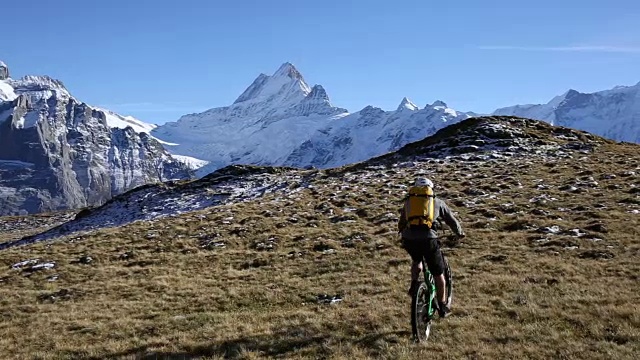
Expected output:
(419, 207)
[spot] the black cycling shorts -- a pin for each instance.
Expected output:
(427, 248)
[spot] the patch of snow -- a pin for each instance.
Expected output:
(191, 162)
(45, 266)
(6, 92)
(550, 230)
(25, 263)
(15, 163)
(576, 233)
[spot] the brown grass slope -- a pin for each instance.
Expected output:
(549, 268)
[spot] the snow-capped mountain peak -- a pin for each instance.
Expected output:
(39, 87)
(407, 104)
(273, 116)
(285, 86)
(288, 70)
(318, 93)
(316, 102)
(439, 104)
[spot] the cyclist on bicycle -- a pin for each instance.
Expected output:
(417, 225)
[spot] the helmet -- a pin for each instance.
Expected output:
(423, 182)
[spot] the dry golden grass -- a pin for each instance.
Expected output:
(162, 289)
(15, 227)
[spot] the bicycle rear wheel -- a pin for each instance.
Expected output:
(420, 319)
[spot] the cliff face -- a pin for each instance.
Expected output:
(58, 153)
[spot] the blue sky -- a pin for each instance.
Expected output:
(158, 60)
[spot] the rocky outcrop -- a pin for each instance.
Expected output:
(4, 71)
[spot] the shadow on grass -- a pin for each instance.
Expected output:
(283, 342)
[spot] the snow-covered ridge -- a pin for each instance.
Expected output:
(38, 88)
(614, 113)
(230, 185)
(371, 132)
(191, 162)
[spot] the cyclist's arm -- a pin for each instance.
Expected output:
(449, 219)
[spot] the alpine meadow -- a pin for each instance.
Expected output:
(294, 263)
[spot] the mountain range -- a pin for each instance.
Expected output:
(278, 120)
(614, 114)
(281, 120)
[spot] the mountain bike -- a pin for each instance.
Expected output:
(424, 302)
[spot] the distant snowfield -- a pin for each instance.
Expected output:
(121, 122)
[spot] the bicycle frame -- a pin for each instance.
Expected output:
(431, 286)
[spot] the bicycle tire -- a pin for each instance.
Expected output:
(448, 275)
(421, 329)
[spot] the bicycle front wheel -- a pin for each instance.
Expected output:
(420, 319)
(448, 275)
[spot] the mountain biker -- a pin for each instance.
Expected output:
(419, 237)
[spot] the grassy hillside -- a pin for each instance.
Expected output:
(549, 268)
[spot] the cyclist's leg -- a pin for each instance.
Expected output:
(436, 267)
(414, 249)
